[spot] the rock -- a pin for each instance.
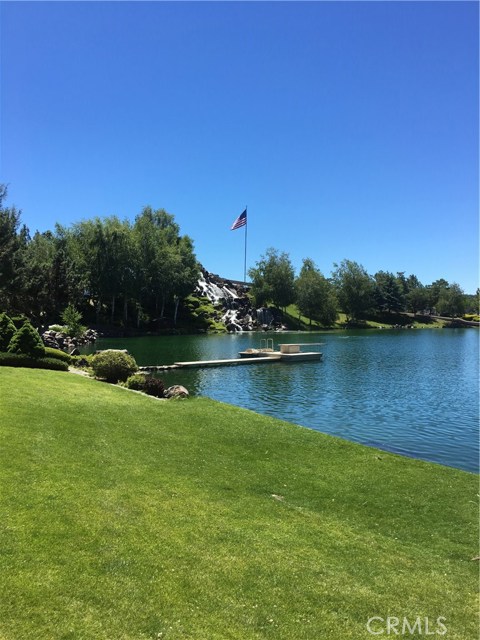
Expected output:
(75, 352)
(176, 391)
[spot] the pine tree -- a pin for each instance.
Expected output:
(27, 341)
(7, 331)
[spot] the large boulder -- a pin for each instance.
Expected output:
(176, 391)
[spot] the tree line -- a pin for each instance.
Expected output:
(117, 271)
(111, 269)
(352, 290)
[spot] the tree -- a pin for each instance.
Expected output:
(27, 341)
(7, 331)
(186, 272)
(451, 301)
(434, 291)
(388, 292)
(273, 279)
(72, 319)
(12, 244)
(417, 299)
(354, 289)
(168, 268)
(315, 295)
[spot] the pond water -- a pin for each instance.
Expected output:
(414, 392)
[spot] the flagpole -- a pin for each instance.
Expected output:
(245, 258)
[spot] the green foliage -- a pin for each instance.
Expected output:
(451, 301)
(273, 280)
(82, 361)
(113, 366)
(19, 321)
(27, 340)
(29, 362)
(315, 295)
(50, 352)
(72, 317)
(7, 331)
(147, 384)
(203, 314)
(58, 328)
(388, 292)
(417, 299)
(136, 382)
(354, 289)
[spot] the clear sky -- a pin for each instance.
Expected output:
(350, 129)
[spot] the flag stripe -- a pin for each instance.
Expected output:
(241, 221)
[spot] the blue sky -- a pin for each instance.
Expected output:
(350, 129)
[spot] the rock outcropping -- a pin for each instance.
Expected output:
(60, 340)
(238, 312)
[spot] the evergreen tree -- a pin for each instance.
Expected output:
(27, 341)
(388, 292)
(7, 331)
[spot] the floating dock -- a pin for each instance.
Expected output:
(287, 353)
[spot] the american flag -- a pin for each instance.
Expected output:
(241, 221)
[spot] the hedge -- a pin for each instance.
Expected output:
(58, 354)
(22, 360)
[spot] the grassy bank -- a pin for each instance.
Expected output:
(384, 320)
(124, 517)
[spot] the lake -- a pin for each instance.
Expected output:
(413, 392)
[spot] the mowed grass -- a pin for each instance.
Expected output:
(124, 517)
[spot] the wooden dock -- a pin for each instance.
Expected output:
(257, 359)
(227, 362)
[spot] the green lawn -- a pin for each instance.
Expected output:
(124, 517)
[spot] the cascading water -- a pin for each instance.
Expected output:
(238, 314)
(264, 316)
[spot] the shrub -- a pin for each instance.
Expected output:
(154, 387)
(19, 321)
(71, 317)
(7, 331)
(58, 354)
(112, 365)
(22, 360)
(147, 384)
(136, 382)
(58, 328)
(82, 360)
(27, 341)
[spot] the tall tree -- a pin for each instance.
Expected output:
(451, 301)
(315, 295)
(388, 292)
(354, 289)
(13, 241)
(273, 279)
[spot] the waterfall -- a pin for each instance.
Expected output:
(264, 316)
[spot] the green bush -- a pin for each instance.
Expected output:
(147, 384)
(19, 321)
(136, 382)
(27, 341)
(7, 331)
(82, 360)
(58, 354)
(22, 360)
(58, 328)
(154, 387)
(113, 366)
